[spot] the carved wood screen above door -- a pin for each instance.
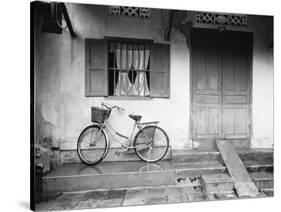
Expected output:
(221, 86)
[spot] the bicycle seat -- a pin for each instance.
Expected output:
(135, 117)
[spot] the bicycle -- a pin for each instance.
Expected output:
(150, 143)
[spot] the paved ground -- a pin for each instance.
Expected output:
(127, 197)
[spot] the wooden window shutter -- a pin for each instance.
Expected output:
(160, 71)
(96, 76)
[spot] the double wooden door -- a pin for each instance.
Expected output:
(221, 65)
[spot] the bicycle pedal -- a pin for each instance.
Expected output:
(117, 153)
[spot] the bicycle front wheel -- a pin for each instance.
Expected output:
(92, 145)
(151, 143)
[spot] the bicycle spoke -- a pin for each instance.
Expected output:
(151, 143)
(92, 145)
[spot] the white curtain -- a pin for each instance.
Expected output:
(140, 62)
(131, 57)
(124, 63)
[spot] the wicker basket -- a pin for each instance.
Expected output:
(99, 114)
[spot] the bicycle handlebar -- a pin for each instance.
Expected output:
(111, 107)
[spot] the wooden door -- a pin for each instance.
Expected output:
(236, 72)
(220, 88)
(206, 86)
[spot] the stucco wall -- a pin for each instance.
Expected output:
(62, 110)
(263, 84)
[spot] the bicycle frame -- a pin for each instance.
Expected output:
(116, 135)
(130, 138)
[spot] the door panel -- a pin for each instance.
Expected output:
(235, 123)
(206, 98)
(221, 71)
(206, 65)
(214, 121)
(206, 94)
(235, 99)
(207, 121)
(235, 89)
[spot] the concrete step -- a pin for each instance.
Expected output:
(258, 166)
(189, 173)
(223, 182)
(71, 156)
(263, 180)
(217, 183)
(256, 155)
(118, 175)
(199, 168)
(222, 195)
(108, 175)
(128, 174)
(184, 156)
(268, 192)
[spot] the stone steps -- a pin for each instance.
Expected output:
(217, 183)
(268, 192)
(183, 156)
(186, 169)
(194, 156)
(117, 175)
(222, 182)
(259, 166)
(263, 180)
(71, 156)
(256, 155)
(195, 169)
(207, 170)
(108, 175)
(189, 173)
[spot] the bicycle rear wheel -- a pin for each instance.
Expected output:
(92, 145)
(151, 143)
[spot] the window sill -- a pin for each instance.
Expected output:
(128, 98)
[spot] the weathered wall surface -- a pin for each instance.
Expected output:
(62, 110)
(263, 83)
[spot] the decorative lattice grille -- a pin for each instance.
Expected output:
(222, 19)
(130, 11)
(115, 10)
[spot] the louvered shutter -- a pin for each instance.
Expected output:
(160, 71)
(96, 75)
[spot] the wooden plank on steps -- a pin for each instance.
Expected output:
(243, 183)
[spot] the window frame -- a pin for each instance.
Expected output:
(132, 41)
(98, 77)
